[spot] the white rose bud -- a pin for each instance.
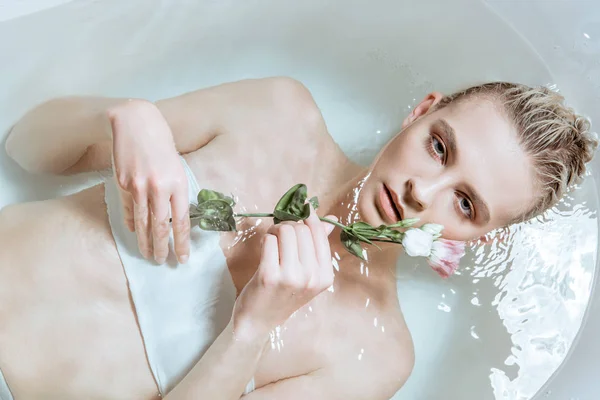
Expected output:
(434, 229)
(417, 243)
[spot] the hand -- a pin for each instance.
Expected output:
(151, 179)
(295, 267)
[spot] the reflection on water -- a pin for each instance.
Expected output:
(509, 318)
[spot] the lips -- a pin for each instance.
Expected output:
(388, 204)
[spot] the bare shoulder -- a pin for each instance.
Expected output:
(379, 353)
(295, 100)
(256, 106)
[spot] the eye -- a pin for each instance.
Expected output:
(465, 207)
(438, 146)
(436, 149)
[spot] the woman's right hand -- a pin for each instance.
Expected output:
(295, 267)
(151, 179)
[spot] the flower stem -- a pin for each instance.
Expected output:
(383, 240)
(256, 215)
(332, 222)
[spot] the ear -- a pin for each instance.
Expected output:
(423, 108)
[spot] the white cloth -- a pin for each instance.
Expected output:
(181, 308)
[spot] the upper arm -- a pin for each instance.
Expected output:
(198, 117)
(235, 108)
(72, 129)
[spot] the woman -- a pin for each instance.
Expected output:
(73, 290)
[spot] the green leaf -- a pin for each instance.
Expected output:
(352, 244)
(314, 201)
(213, 213)
(394, 235)
(405, 223)
(216, 224)
(361, 225)
(292, 206)
(362, 238)
(207, 195)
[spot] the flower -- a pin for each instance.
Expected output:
(445, 256)
(434, 229)
(417, 242)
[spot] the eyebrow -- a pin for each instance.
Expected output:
(481, 207)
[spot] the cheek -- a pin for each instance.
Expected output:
(454, 231)
(403, 155)
(443, 211)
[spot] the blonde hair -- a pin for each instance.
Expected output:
(557, 139)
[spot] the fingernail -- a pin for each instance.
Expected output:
(183, 259)
(160, 260)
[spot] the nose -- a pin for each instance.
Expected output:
(419, 194)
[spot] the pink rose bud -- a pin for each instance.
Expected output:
(445, 256)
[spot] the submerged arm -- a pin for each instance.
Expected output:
(72, 134)
(224, 370)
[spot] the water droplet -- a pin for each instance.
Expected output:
(368, 301)
(585, 35)
(375, 321)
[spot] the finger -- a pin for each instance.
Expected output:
(274, 229)
(127, 203)
(329, 227)
(288, 245)
(319, 237)
(143, 232)
(268, 269)
(159, 206)
(181, 224)
(270, 250)
(306, 248)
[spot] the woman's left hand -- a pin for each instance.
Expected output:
(151, 179)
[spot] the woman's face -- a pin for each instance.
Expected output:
(460, 166)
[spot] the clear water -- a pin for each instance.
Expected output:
(506, 323)
(509, 319)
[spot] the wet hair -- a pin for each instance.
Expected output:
(554, 136)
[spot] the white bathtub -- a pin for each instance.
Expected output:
(366, 64)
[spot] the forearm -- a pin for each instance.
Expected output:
(224, 370)
(55, 135)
